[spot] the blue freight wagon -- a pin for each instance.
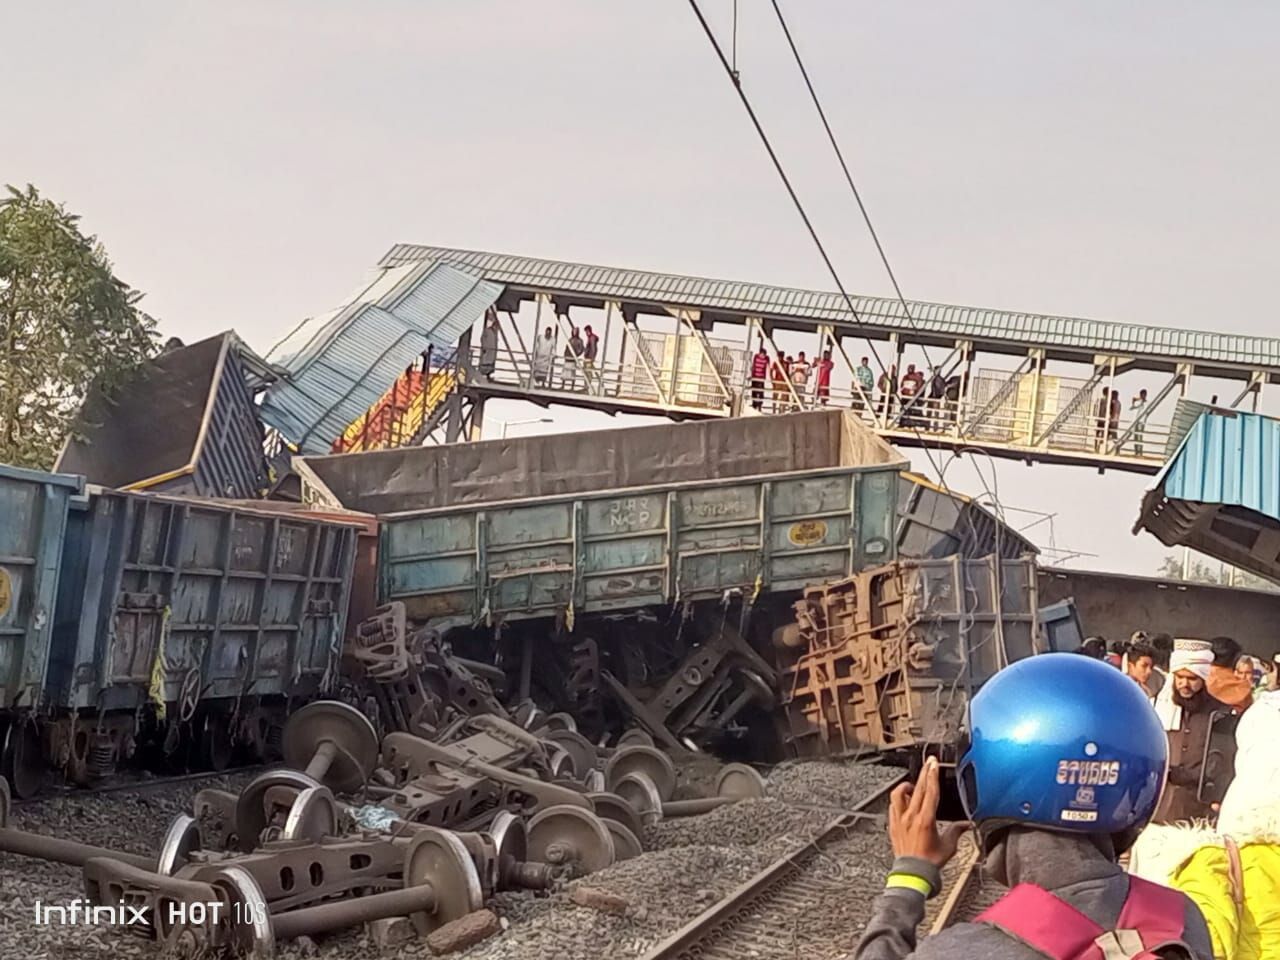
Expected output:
(618, 520)
(133, 620)
(211, 614)
(33, 521)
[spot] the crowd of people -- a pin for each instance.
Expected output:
(1199, 689)
(1129, 798)
(791, 382)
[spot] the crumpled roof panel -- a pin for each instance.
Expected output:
(1220, 492)
(337, 364)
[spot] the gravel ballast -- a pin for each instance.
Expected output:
(690, 864)
(827, 783)
(130, 821)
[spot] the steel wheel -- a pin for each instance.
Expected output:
(438, 858)
(641, 795)
(557, 721)
(635, 737)
(510, 839)
(570, 837)
(180, 841)
(248, 920)
(582, 750)
(251, 812)
(216, 747)
(626, 844)
(652, 762)
(740, 782)
(313, 816)
(610, 806)
(349, 730)
(24, 758)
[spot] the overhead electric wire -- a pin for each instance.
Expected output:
(848, 177)
(736, 80)
(862, 208)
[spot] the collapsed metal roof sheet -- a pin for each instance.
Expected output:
(1220, 492)
(333, 367)
(1185, 414)
(184, 422)
(1167, 345)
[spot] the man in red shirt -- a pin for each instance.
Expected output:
(912, 385)
(759, 370)
(824, 377)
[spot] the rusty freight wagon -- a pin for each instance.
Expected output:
(581, 523)
(593, 568)
(184, 623)
(33, 522)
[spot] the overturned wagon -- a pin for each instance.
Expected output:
(594, 568)
(639, 575)
(888, 659)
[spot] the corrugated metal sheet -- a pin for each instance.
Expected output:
(337, 365)
(1229, 459)
(185, 423)
(1220, 493)
(1068, 333)
(1185, 414)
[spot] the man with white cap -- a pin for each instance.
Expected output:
(1187, 710)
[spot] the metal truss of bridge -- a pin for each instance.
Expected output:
(1015, 385)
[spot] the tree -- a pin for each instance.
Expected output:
(65, 321)
(1200, 571)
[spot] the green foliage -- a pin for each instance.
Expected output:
(65, 322)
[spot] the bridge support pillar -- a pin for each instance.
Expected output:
(476, 420)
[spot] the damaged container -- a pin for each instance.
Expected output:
(934, 522)
(33, 522)
(888, 659)
(621, 519)
(185, 601)
(185, 423)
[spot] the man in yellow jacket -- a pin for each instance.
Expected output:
(1232, 873)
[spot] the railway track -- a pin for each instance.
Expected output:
(772, 914)
(966, 893)
(761, 920)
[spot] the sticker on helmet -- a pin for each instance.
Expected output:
(1080, 816)
(1093, 773)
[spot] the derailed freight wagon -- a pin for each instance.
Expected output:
(888, 659)
(581, 523)
(639, 572)
(33, 522)
(186, 624)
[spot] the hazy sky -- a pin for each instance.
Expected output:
(246, 162)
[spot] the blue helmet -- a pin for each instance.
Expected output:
(1064, 743)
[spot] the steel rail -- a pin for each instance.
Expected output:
(718, 921)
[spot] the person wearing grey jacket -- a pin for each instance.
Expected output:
(1065, 767)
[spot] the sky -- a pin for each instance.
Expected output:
(246, 163)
